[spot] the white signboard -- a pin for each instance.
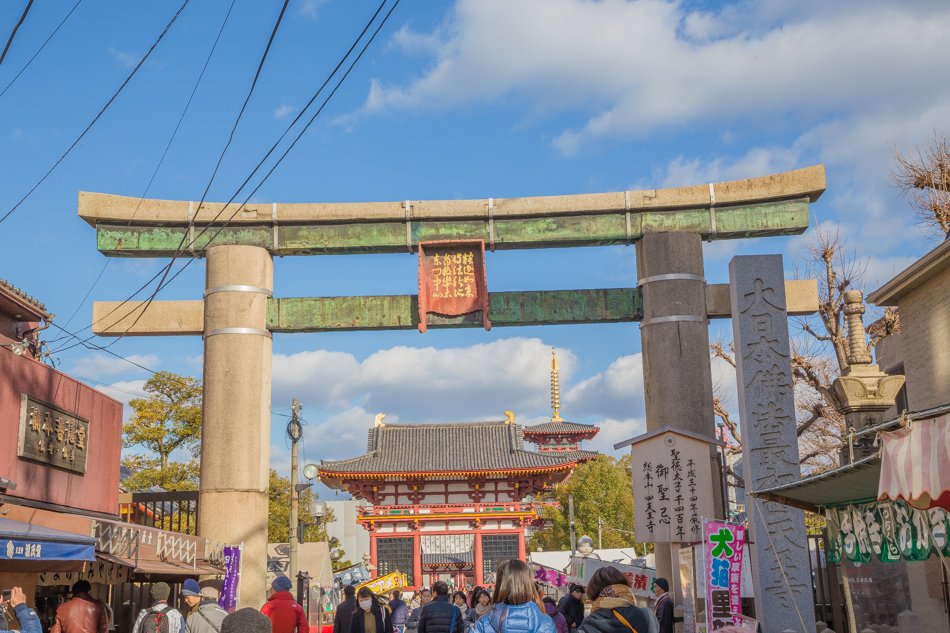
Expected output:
(672, 487)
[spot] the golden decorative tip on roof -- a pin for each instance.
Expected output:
(378, 423)
(509, 417)
(555, 389)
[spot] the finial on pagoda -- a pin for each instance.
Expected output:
(378, 423)
(555, 389)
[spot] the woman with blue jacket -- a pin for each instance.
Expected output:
(516, 608)
(27, 616)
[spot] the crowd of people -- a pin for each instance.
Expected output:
(515, 606)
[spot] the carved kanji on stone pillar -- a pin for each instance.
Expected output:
(781, 573)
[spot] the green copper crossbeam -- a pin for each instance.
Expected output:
(401, 312)
(783, 217)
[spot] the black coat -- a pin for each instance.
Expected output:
(441, 616)
(664, 615)
(384, 622)
(604, 621)
(344, 613)
(573, 610)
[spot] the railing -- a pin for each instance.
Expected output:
(173, 511)
(507, 507)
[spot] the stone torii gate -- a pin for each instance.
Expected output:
(238, 315)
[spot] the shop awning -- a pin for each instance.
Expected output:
(163, 570)
(915, 464)
(26, 547)
(853, 483)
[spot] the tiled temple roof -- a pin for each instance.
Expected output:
(562, 427)
(452, 448)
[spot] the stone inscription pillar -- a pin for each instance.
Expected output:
(235, 433)
(674, 335)
(780, 572)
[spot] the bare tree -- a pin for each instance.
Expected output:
(818, 357)
(924, 175)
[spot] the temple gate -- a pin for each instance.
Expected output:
(238, 315)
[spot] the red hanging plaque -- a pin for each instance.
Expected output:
(452, 280)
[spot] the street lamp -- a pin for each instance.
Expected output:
(585, 547)
(367, 562)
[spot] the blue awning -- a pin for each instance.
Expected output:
(33, 545)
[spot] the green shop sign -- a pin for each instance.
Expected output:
(888, 531)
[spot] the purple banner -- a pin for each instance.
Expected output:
(232, 577)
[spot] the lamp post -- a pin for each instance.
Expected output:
(585, 547)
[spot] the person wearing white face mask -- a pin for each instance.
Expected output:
(371, 615)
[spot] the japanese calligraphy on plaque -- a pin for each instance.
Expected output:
(452, 280)
(783, 584)
(671, 486)
(52, 436)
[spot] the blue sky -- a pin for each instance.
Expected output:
(471, 99)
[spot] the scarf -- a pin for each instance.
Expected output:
(482, 610)
(615, 597)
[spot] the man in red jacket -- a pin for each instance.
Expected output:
(285, 614)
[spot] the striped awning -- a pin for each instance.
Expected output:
(915, 464)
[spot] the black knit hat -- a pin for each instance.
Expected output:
(662, 583)
(246, 620)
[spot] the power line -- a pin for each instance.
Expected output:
(289, 148)
(161, 160)
(260, 163)
(102, 111)
(40, 49)
(16, 27)
(214, 173)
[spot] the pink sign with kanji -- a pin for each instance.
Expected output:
(724, 545)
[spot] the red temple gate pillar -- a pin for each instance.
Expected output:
(417, 580)
(374, 560)
(522, 554)
(479, 563)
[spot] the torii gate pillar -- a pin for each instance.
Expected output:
(235, 431)
(674, 335)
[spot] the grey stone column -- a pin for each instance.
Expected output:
(780, 566)
(235, 432)
(674, 335)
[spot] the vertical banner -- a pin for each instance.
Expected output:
(232, 578)
(724, 544)
(452, 280)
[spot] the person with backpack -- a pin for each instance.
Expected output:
(160, 617)
(27, 617)
(516, 609)
(204, 615)
(400, 612)
(285, 614)
(615, 608)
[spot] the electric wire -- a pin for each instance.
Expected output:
(260, 163)
(40, 49)
(96, 118)
(214, 173)
(163, 272)
(161, 160)
(16, 27)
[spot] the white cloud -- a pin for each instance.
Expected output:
(424, 384)
(310, 8)
(98, 366)
(616, 393)
(283, 111)
(124, 59)
(658, 63)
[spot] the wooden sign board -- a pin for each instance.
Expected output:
(452, 280)
(672, 486)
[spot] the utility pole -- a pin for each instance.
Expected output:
(600, 533)
(570, 519)
(295, 432)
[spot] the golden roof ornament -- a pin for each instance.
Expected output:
(555, 389)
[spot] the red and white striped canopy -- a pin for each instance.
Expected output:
(915, 464)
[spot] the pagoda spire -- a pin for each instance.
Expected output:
(555, 389)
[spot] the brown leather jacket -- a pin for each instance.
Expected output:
(82, 614)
